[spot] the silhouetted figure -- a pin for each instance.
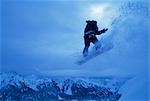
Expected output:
(90, 32)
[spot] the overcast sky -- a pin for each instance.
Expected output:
(45, 36)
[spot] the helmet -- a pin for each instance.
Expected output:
(91, 22)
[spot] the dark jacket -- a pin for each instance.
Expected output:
(91, 26)
(92, 29)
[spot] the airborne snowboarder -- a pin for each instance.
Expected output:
(90, 32)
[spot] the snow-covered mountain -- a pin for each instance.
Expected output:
(17, 87)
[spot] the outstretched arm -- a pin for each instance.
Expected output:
(102, 31)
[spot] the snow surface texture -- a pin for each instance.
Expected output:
(16, 87)
(48, 53)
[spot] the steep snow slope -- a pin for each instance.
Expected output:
(130, 34)
(131, 40)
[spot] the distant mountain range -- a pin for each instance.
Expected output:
(21, 88)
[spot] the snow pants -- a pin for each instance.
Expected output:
(87, 40)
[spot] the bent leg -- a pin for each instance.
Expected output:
(96, 42)
(87, 44)
(85, 51)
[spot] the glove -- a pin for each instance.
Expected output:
(102, 31)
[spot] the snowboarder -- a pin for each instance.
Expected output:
(90, 32)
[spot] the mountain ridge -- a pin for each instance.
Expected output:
(14, 86)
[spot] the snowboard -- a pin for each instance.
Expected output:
(94, 53)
